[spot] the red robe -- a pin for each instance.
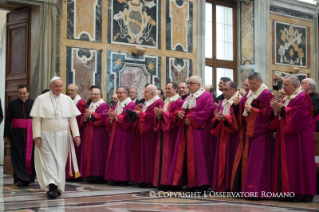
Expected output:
(165, 143)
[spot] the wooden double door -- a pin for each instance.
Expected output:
(17, 63)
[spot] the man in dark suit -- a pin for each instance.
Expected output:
(277, 83)
(220, 87)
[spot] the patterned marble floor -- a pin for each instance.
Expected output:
(102, 197)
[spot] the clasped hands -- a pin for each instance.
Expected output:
(87, 114)
(219, 115)
(276, 105)
(181, 115)
(247, 106)
(112, 114)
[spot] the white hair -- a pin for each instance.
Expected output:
(197, 79)
(153, 89)
(312, 83)
(76, 87)
(293, 79)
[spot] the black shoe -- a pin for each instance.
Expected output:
(52, 194)
(22, 183)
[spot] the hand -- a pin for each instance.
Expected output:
(247, 107)
(236, 100)
(38, 142)
(77, 141)
(158, 111)
(6, 140)
(275, 105)
(221, 116)
(187, 121)
(87, 113)
(181, 114)
(111, 114)
(137, 111)
(216, 114)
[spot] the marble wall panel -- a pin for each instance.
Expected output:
(84, 20)
(179, 25)
(132, 71)
(178, 70)
(83, 69)
(244, 75)
(134, 22)
(247, 34)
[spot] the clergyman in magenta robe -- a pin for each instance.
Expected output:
(120, 150)
(167, 135)
(224, 126)
(252, 170)
(191, 163)
(294, 163)
(96, 138)
(145, 138)
(80, 104)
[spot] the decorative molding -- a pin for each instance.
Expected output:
(290, 12)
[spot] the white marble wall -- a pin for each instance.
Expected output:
(2, 88)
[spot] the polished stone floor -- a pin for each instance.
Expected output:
(102, 197)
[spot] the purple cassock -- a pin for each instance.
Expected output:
(252, 170)
(120, 152)
(226, 145)
(294, 162)
(95, 143)
(69, 171)
(165, 143)
(145, 145)
(192, 153)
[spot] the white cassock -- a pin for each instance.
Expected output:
(53, 116)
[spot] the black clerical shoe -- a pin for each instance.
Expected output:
(22, 183)
(53, 192)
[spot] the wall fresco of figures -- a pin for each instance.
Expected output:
(84, 20)
(178, 70)
(132, 71)
(134, 22)
(83, 69)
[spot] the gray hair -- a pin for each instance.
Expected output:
(153, 89)
(255, 75)
(197, 79)
(76, 87)
(293, 79)
(134, 89)
(225, 79)
(126, 89)
(231, 84)
(313, 84)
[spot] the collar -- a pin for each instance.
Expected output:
(76, 99)
(173, 98)
(124, 103)
(230, 101)
(149, 103)
(53, 95)
(198, 93)
(258, 92)
(294, 95)
(184, 97)
(95, 105)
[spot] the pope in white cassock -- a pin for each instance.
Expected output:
(53, 115)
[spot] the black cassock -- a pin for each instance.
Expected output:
(18, 139)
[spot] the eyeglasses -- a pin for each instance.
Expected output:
(95, 94)
(113, 98)
(120, 92)
(70, 90)
(191, 83)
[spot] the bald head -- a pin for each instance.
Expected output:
(207, 87)
(309, 85)
(150, 92)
